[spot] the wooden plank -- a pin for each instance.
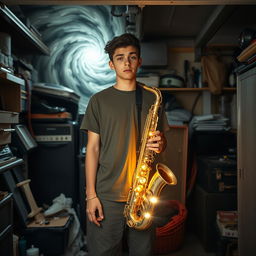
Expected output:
(175, 157)
(9, 79)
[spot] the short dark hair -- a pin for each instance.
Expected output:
(123, 40)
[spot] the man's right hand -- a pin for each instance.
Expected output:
(94, 211)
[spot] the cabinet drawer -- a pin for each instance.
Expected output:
(6, 119)
(5, 134)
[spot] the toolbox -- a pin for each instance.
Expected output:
(217, 174)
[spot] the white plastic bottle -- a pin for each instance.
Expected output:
(32, 251)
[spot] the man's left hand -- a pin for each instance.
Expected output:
(156, 142)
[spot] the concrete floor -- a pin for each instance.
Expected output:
(191, 247)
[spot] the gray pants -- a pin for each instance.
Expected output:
(107, 240)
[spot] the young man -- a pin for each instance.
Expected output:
(111, 122)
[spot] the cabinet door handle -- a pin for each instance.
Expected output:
(7, 130)
(241, 173)
(229, 173)
(223, 187)
(219, 173)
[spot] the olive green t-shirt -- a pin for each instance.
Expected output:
(112, 114)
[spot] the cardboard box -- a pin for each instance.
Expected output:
(227, 223)
(227, 229)
(52, 239)
(10, 92)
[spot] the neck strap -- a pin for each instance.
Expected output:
(139, 108)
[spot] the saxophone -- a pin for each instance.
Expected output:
(142, 196)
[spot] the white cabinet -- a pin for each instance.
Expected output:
(246, 98)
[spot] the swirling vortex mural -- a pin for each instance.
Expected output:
(76, 36)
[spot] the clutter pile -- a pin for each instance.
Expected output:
(211, 122)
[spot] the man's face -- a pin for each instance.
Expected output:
(125, 62)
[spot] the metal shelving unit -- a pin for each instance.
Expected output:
(22, 37)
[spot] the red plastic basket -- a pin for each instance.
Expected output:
(171, 236)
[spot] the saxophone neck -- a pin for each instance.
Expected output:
(157, 94)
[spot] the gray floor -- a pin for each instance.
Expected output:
(191, 247)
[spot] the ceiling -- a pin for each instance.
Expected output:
(126, 2)
(192, 22)
(190, 25)
(174, 21)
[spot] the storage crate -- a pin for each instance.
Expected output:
(171, 236)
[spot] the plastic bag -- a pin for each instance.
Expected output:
(214, 73)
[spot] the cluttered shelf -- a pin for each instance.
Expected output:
(226, 89)
(23, 37)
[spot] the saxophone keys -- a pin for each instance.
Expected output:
(142, 180)
(142, 173)
(139, 188)
(144, 167)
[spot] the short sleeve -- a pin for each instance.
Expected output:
(91, 117)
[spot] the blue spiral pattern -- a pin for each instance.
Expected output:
(76, 36)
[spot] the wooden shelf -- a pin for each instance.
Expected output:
(229, 89)
(22, 37)
(10, 79)
(194, 89)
